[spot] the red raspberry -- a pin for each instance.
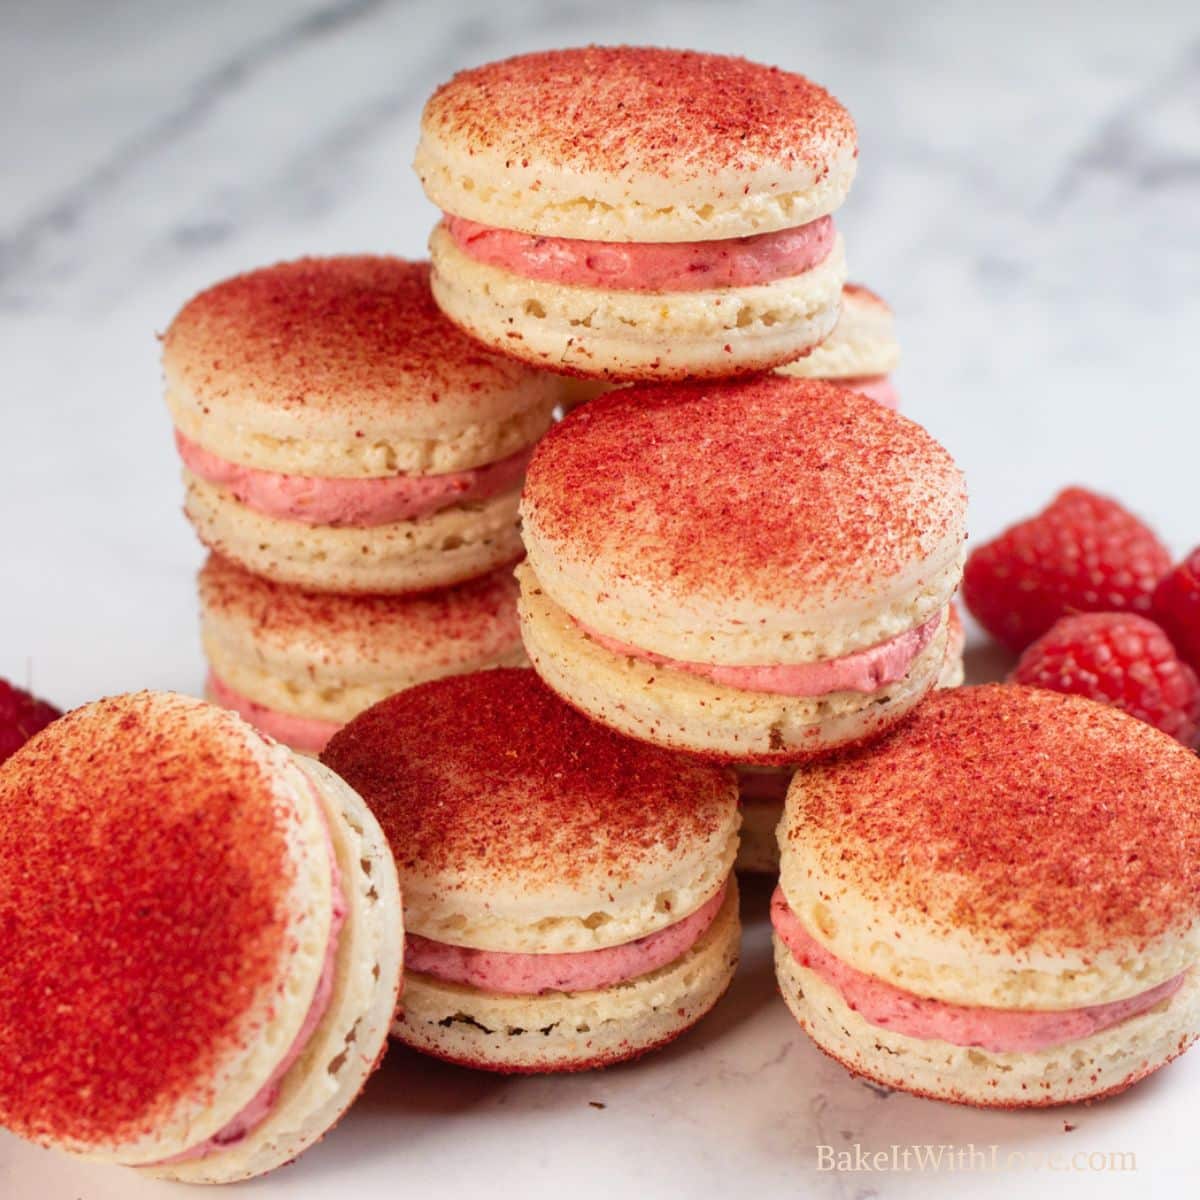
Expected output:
(1118, 659)
(1177, 608)
(1084, 553)
(21, 716)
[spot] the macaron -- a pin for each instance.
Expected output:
(299, 664)
(763, 790)
(756, 570)
(999, 903)
(202, 941)
(568, 892)
(337, 433)
(862, 350)
(626, 212)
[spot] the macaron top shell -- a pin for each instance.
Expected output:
(519, 825)
(624, 143)
(1004, 829)
(350, 350)
(165, 907)
(758, 522)
(360, 634)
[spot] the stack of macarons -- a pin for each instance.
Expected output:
(202, 941)
(568, 891)
(736, 596)
(342, 439)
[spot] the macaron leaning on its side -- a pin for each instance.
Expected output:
(202, 941)
(999, 903)
(627, 212)
(339, 434)
(755, 570)
(568, 892)
(299, 664)
(862, 350)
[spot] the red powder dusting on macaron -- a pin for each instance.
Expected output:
(771, 487)
(624, 110)
(352, 335)
(491, 773)
(142, 870)
(1021, 816)
(364, 629)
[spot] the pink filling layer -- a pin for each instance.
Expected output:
(531, 974)
(307, 734)
(1019, 1031)
(260, 1106)
(648, 266)
(876, 387)
(351, 502)
(863, 671)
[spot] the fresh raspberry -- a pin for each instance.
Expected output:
(21, 716)
(1177, 608)
(1119, 659)
(1084, 553)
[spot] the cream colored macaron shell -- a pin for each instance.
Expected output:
(1085, 1069)
(622, 335)
(572, 1030)
(343, 368)
(323, 658)
(635, 144)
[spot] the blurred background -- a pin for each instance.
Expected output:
(1028, 200)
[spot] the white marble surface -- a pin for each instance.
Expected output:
(1029, 200)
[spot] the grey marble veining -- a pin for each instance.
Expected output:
(1028, 199)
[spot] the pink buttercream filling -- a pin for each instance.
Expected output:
(876, 387)
(532, 974)
(863, 671)
(648, 266)
(307, 734)
(1019, 1031)
(351, 502)
(260, 1106)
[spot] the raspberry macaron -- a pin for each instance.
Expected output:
(757, 571)
(299, 664)
(339, 434)
(862, 350)
(568, 895)
(638, 213)
(202, 941)
(999, 903)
